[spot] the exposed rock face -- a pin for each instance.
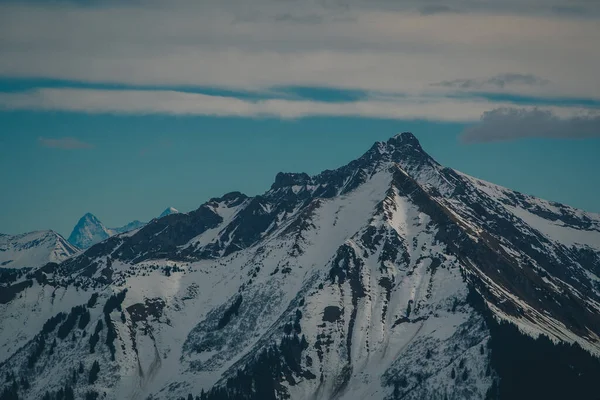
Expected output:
(389, 278)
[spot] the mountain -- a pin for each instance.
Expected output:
(126, 228)
(33, 249)
(89, 231)
(391, 277)
(168, 211)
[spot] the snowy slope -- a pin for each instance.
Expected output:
(33, 249)
(562, 224)
(389, 278)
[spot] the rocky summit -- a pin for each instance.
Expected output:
(391, 277)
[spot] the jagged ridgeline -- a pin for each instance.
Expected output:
(391, 277)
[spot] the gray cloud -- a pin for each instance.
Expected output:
(503, 124)
(432, 9)
(517, 79)
(520, 7)
(569, 10)
(374, 46)
(498, 81)
(169, 102)
(64, 143)
(299, 19)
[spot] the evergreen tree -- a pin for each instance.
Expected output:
(91, 395)
(94, 372)
(37, 351)
(69, 394)
(84, 319)
(92, 301)
(111, 335)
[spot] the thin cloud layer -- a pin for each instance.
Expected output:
(171, 102)
(432, 9)
(141, 102)
(499, 81)
(64, 143)
(503, 124)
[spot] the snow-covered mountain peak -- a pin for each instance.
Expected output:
(403, 149)
(168, 211)
(89, 218)
(88, 231)
(404, 138)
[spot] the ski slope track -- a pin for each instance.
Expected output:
(392, 277)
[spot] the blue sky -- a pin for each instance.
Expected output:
(103, 110)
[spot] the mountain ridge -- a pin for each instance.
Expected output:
(89, 230)
(32, 249)
(168, 211)
(391, 277)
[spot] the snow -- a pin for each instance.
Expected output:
(33, 249)
(212, 235)
(554, 230)
(557, 231)
(168, 211)
(89, 231)
(24, 318)
(377, 343)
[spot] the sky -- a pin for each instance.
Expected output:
(123, 108)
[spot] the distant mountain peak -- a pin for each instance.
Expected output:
(168, 211)
(88, 217)
(88, 231)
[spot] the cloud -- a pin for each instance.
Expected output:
(503, 124)
(299, 19)
(569, 10)
(64, 143)
(433, 9)
(378, 45)
(141, 102)
(498, 81)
